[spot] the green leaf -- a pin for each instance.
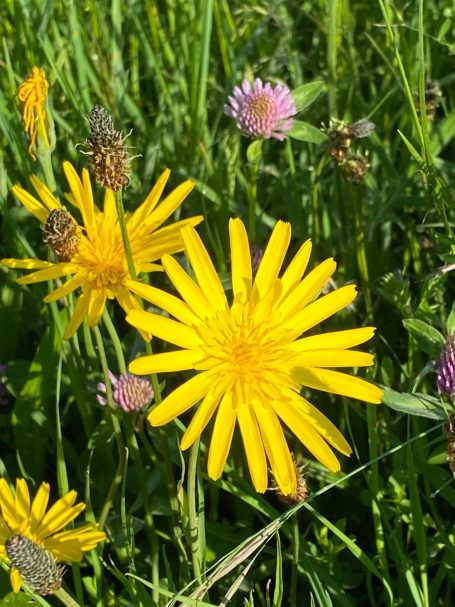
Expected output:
(32, 416)
(254, 151)
(451, 321)
(306, 94)
(422, 405)
(303, 131)
(428, 339)
(15, 599)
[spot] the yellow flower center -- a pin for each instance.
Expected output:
(243, 349)
(102, 257)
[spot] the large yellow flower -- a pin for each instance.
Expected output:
(96, 259)
(31, 540)
(251, 359)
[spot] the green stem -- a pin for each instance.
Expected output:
(295, 560)
(116, 481)
(124, 232)
(252, 200)
(115, 341)
(361, 250)
(65, 598)
(197, 554)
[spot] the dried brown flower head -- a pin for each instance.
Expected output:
(61, 233)
(109, 156)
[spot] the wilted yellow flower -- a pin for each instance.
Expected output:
(31, 540)
(97, 261)
(32, 94)
(251, 358)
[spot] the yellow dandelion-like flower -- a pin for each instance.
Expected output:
(98, 263)
(251, 358)
(31, 540)
(32, 94)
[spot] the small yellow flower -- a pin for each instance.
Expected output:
(20, 518)
(32, 94)
(251, 359)
(98, 264)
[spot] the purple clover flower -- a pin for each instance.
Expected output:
(130, 393)
(445, 372)
(262, 112)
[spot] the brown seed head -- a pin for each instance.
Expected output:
(109, 156)
(61, 233)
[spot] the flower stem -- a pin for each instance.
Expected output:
(65, 598)
(197, 549)
(124, 232)
(116, 481)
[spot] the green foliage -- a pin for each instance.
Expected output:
(378, 533)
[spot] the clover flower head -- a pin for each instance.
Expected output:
(262, 111)
(445, 372)
(129, 392)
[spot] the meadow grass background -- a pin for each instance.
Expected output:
(379, 533)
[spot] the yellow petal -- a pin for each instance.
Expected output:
(70, 545)
(188, 289)
(296, 269)
(48, 199)
(200, 420)
(144, 210)
(173, 305)
(181, 399)
(170, 204)
(66, 288)
(26, 264)
(307, 290)
(168, 362)
(313, 429)
(33, 206)
(204, 271)
(273, 259)
(165, 241)
(8, 506)
(337, 340)
(254, 449)
(22, 499)
(165, 328)
(333, 358)
(97, 301)
(240, 259)
(50, 273)
(59, 515)
(110, 207)
(78, 316)
(221, 437)
(319, 310)
(338, 383)
(39, 506)
(15, 579)
(82, 196)
(276, 448)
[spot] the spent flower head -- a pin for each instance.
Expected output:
(250, 357)
(32, 95)
(129, 392)
(31, 538)
(262, 111)
(93, 256)
(109, 156)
